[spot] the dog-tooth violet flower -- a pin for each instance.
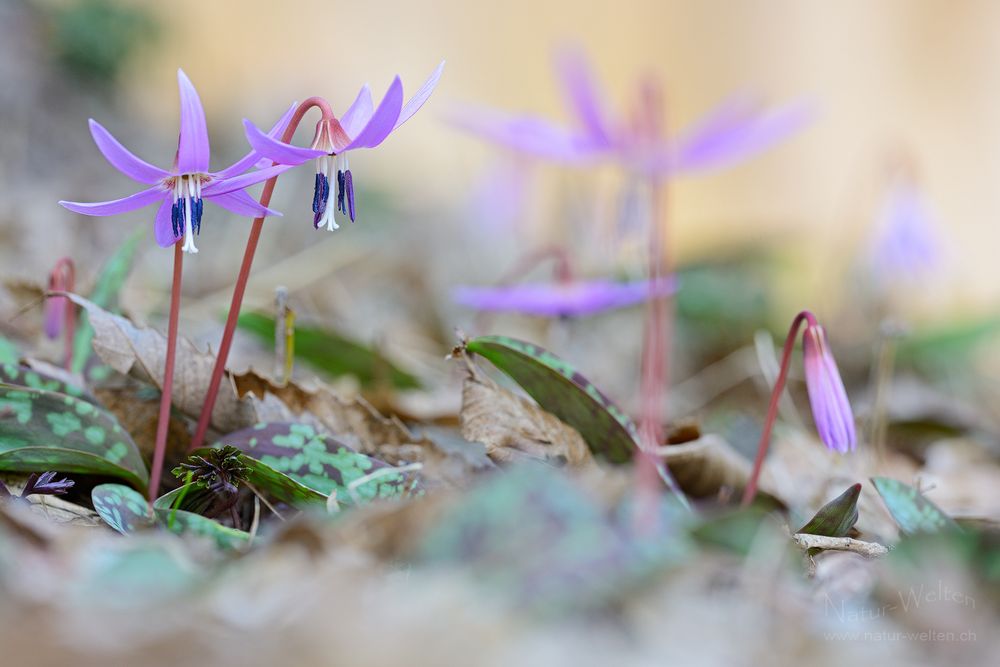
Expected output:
(827, 397)
(734, 131)
(563, 299)
(906, 244)
(182, 190)
(362, 126)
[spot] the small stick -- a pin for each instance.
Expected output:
(866, 549)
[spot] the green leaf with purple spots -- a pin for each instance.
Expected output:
(122, 507)
(319, 461)
(837, 517)
(190, 524)
(46, 430)
(912, 512)
(558, 388)
(23, 376)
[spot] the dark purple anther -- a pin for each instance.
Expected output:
(349, 186)
(175, 219)
(340, 192)
(197, 209)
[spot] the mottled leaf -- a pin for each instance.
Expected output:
(8, 353)
(912, 512)
(561, 390)
(191, 524)
(275, 483)
(45, 430)
(122, 507)
(837, 517)
(105, 294)
(317, 460)
(23, 376)
(331, 352)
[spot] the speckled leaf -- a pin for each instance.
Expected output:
(188, 523)
(837, 517)
(277, 484)
(8, 352)
(46, 430)
(332, 352)
(317, 460)
(912, 512)
(561, 390)
(122, 507)
(105, 294)
(24, 376)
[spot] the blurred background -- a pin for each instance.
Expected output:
(899, 87)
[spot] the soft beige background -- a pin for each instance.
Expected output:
(923, 75)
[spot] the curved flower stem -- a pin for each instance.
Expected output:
(163, 425)
(241, 281)
(772, 410)
(655, 362)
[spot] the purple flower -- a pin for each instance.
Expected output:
(566, 299)
(907, 243)
(827, 396)
(181, 190)
(362, 126)
(733, 132)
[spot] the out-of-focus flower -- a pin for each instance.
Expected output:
(44, 484)
(906, 243)
(733, 132)
(827, 396)
(362, 126)
(563, 299)
(181, 190)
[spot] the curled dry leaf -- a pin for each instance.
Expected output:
(513, 428)
(709, 465)
(141, 352)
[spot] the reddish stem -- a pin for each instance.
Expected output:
(655, 362)
(241, 281)
(772, 410)
(64, 274)
(163, 425)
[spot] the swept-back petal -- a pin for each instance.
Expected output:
(240, 203)
(115, 206)
(243, 181)
(122, 159)
(735, 132)
(555, 300)
(192, 145)
(253, 157)
(277, 151)
(163, 229)
(526, 134)
(359, 113)
(417, 101)
(382, 121)
(583, 95)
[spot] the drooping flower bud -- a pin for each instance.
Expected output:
(827, 396)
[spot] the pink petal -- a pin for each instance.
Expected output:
(253, 157)
(277, 151)
(421, 96)
(359, 113)
(240, 203)
(227, 185)
(115, 206)
(382, 121)
(122, 159)
(162, 228)
(583, 95)
(192, 146)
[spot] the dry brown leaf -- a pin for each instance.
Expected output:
(141, 353)
(513, 428)
(139, 417)
(706, 466)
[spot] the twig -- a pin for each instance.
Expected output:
(866, 549)
(263, 499)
